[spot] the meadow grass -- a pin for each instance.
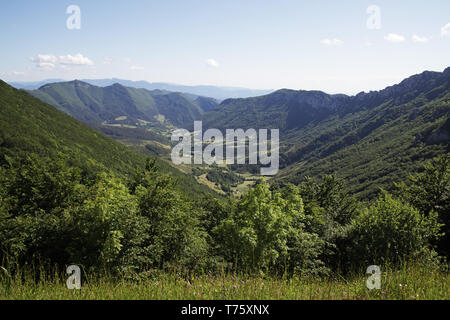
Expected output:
(408, 283)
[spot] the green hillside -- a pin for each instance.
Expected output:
(372, 148)
(30, 126)
(370, 139)
(123, 105)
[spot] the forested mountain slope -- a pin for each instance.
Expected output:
(370, 139)
(30, 126)
(93, 104)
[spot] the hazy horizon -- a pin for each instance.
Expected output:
(225, 87)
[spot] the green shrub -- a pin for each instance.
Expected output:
(429, 191)
(266, 232)
(389, 231)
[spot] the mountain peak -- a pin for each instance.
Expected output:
(75, 83)
(117, 85)
(79, 83)
(447, 72)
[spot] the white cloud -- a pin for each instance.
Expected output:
(45, 65)
(76, 60)
(45, 61)
(395, 38)
(419, 39)
(127, 60)
(136, 68)
(46, 58)
(212, 63)
(445, 30)
(49, 61)
(332, 42)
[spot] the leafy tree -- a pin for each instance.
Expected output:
(305, 248)
(38, 197)
(266, 233)
(429, 191)
(390, 231)
(329, 209)
(174, 232)
(255, 235)
(50, 214)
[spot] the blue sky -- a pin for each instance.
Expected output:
(265, 44)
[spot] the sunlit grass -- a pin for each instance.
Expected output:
(408, 283)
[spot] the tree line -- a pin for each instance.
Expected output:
(53, 213)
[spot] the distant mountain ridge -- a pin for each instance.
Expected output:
(94, 104)
(219, 93)
(287, 109)
(33, 85)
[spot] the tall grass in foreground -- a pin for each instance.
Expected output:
(412, 282)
